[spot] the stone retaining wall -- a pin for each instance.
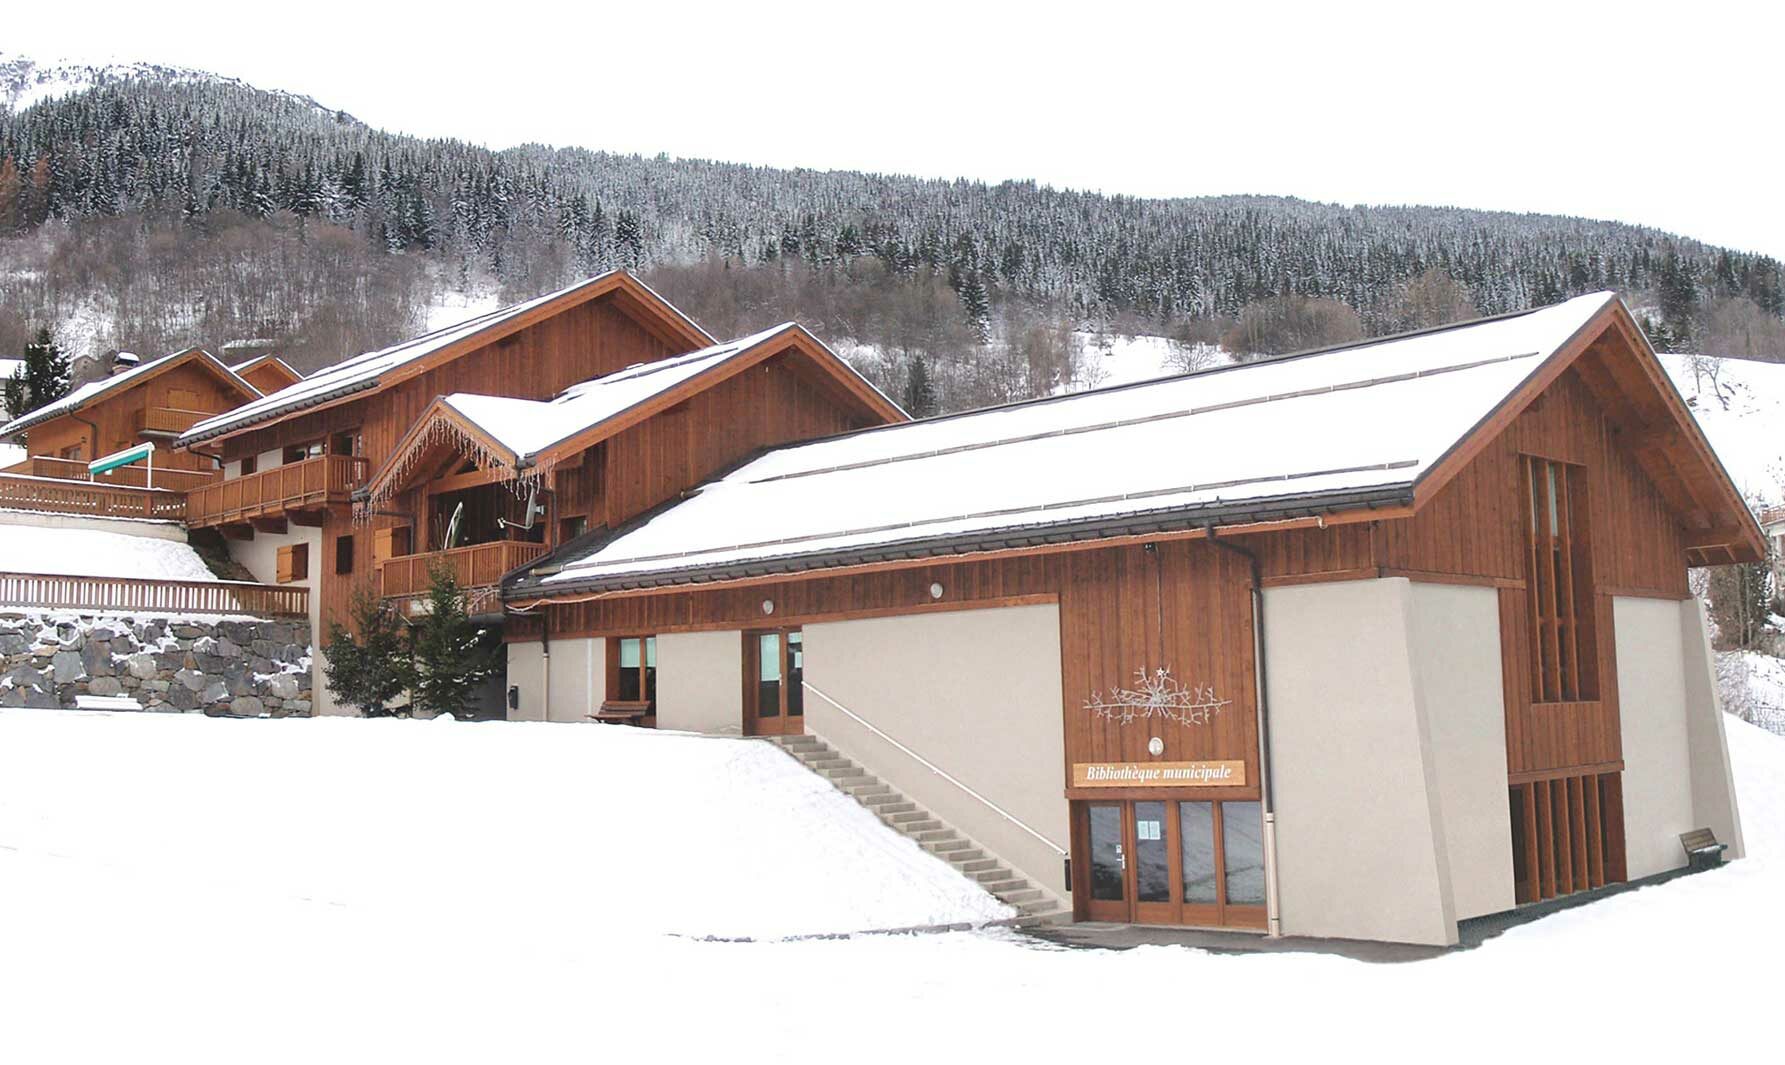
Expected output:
(242, 668)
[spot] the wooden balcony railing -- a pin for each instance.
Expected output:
(153, 596)
(326, 480)
(130, 476)
(479, 565)
(169, 420)
(90, 498)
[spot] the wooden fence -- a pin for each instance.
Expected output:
(90, 498)
(125, 594)
(317, 482)
(177, 480)
(474, 566)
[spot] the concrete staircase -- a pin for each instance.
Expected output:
(1034, 904)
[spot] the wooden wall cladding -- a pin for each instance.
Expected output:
(780, 400)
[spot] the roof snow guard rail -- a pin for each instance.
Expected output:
(529, 584)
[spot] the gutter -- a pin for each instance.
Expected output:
(190, 439)
(1273, 910)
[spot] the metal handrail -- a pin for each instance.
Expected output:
(936, 769)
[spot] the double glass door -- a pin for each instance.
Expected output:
(1172, 861)
(774, 692)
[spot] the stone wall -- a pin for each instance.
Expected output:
(241, 668)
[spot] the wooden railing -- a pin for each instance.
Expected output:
(476, 566)
(161, 597)
(130, 476)
(317, 482)
(169, 419)
(90, 498)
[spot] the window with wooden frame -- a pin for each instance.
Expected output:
(631, 678)
(250, 463)
(293, 563)
(300, 452)
(343, 554)
(1564, 646)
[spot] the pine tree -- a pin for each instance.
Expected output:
(920, 393)
(45, 376)
(370, 670)
(13, 394)
(451, 654)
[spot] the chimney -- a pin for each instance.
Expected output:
(123, 361)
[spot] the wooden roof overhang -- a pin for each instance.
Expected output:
(636, 299)
(442, 426)
(1615, 362)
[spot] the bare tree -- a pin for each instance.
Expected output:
(1432, 298)
(1284, 324)
(1738, 328)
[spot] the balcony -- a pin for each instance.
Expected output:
(313, 484)
(128, 476)
(479, 566)
(171, 597)
(89, 498)
(168, 421)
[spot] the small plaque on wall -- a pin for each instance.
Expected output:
(1159, 774)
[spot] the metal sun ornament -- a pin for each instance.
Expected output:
(1158, 694)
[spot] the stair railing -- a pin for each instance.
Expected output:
(936, 769)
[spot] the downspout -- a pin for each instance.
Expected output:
(545, 666)
(1272, 903)
(92, 436)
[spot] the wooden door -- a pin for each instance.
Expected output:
(1170, 861)
(774, 693)
(1103, 857)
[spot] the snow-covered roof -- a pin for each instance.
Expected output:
(93, 390)
(1349, 423)
(526, 427)
(366, 372)
(243, 367)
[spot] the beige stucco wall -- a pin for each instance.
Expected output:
(261, 557)
(977, 693)
(700, 681)
(1361, 846)
(578, 676)
(1676, 764)
(1455, 636)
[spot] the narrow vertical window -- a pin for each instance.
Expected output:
(1559, 583)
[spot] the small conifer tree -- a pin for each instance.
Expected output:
(369, 664)
(451, 653)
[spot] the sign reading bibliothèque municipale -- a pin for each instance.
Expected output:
(1158, 774)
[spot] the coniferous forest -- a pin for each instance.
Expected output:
(152, 212)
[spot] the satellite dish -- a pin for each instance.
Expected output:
(535, 510)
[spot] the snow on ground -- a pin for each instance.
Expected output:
(1113, 359)
(95, 553)
(1742, 411)
(451, 306)
(346, 890)
(1753, 687)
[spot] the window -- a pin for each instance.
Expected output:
(294, 563)
(343, 554)
(300, 452)
(632, 670)
(250, 463)
(343, 444)
(1564, 647)
(73, 452)
(571, 528)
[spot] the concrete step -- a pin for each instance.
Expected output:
(919, 828)
(1038, 907)
(863, 791)
(991, 876)
(820, 763)
(1019, 897)
(956, 851)
(1009, 883)
(980, 865)
(937, 835)
(913, 814)
(800, 743)
(890, 803)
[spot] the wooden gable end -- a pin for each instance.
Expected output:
(781, 400)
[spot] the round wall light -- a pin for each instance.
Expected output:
(1155, 746)
(935, 591)
(768, 606)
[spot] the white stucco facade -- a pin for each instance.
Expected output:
(977, 694)
(700, 681)
(1676, 762)
(261, 557)
(578, 679)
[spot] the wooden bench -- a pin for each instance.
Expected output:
(1702, 849)
(625, 713)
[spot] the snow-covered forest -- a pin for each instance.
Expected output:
(151, 207)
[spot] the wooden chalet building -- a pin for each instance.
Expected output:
(153, 402)
(486, 444)
(1359, 643)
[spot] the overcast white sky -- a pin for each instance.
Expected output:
(1667, 116)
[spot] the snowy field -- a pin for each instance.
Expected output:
(189, 889)
(96, 553)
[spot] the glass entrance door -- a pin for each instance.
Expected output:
(774, 696)
(1171, 861)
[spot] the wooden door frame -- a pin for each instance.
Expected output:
(1219, 915)
(752, 656)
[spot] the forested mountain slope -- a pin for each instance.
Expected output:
(150, 207)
